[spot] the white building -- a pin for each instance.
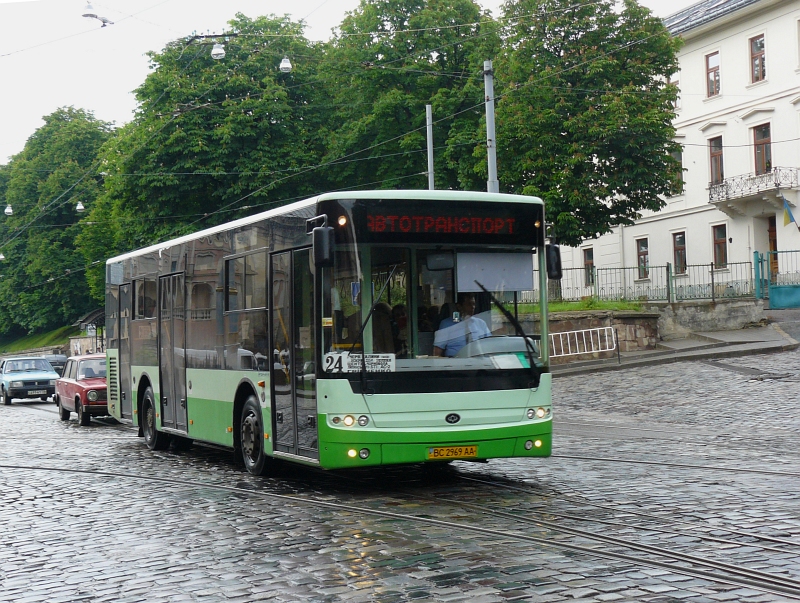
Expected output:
(738, 119)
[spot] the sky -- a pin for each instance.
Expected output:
(51, 56)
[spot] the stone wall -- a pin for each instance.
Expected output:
(678, 320)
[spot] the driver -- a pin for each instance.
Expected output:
(455, 334)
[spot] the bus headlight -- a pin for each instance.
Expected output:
(348, 420)
(531, 413)
(362, 421)
(364, 453)
(540, 413)
(352, 453)
(92, 395)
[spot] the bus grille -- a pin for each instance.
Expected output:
(112, 381)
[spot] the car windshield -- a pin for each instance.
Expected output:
(28, 365)
(95, 367)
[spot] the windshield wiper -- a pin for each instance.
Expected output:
(360, 336)
(520, 331)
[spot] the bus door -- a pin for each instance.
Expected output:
(294, 387)
(124, 369)
(172, 351)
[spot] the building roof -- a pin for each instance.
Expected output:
(701, 13)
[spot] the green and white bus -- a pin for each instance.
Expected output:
(346, 330)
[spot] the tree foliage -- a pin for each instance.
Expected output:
(43, 284)
(213, 139)
(585, 119)
(387, 61)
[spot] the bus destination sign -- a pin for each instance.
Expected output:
(438, 224)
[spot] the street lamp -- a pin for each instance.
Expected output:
(90, 13)
(79, 207)
(218, 52)
(286, 65)
(9, 211)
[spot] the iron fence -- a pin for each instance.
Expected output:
(654, 283)
(706, 281)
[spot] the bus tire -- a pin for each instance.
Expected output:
(154, 439)
(251, 435)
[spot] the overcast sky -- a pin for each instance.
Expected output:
(51, 56)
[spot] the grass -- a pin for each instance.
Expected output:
(40, 340)
(584, 305)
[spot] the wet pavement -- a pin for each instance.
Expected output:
(698, 457)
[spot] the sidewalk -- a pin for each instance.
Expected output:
(699, 346)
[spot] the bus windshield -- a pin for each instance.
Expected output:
(424, 308)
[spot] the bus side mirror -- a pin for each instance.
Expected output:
(553, 258)
(323, 243)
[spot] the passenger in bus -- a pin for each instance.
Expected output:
(400, 330)
(453, 335)
(382, 340)
(424, 323)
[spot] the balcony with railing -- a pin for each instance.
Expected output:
(749, 185)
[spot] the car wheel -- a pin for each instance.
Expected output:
(55, 399)
(63, 413)
(251, 435)
(154, 439)
(84, 418)
(6, 399)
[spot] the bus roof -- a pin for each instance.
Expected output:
(434, 195)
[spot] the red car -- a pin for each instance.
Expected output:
(82, 388)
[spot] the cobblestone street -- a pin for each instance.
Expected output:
(698, 458)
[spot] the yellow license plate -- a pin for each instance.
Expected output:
(452, 452)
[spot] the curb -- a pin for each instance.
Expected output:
(724, 352)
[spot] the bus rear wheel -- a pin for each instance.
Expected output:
(154, 439)
(251, 436)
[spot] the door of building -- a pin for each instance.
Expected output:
(773, 246)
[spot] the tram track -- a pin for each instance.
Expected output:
(617, 548)
(655, 519)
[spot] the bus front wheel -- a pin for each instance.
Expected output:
(154, 439)
(251, 435)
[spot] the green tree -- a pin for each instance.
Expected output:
(388, 60)
(43, 284)
(215, 139)
(585, 118)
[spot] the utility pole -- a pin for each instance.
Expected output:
(493, 186)
(429, 124)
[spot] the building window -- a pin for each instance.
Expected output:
(642, 258)
(720, 246)
(679, 252)
(762, 141)
(588, 266)
(715, 153)
(679, 182)
(758, 69)
(677, 103)
(712, 74)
